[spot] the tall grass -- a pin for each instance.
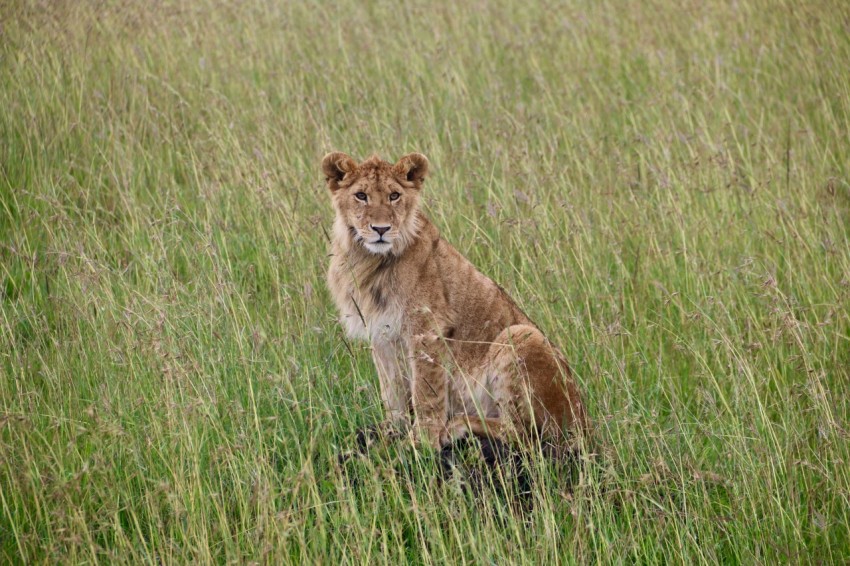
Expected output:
(663, 186)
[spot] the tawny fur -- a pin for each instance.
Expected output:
(451, 348)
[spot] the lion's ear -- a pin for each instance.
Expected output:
(335, 165)
(413, 167)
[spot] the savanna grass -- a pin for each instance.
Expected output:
(663, 186)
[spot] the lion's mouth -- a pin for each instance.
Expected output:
(380, 246)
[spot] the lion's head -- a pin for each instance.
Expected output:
(376, 202)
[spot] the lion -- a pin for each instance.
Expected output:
(453, 352)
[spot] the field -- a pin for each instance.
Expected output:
(663, 186)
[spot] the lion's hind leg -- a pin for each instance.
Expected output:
(462, 425)
(532, 390)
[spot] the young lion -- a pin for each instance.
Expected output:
(450, 346)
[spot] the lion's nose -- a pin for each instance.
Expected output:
(381, 230)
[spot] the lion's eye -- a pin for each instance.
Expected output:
(395, 196)
(360, 196)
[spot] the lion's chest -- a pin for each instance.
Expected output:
(361, 322)
(366, 312)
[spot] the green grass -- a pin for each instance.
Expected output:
(663, 186)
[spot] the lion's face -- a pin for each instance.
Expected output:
(375, 201)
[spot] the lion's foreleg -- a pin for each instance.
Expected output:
(394, 380)
(430, 388)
